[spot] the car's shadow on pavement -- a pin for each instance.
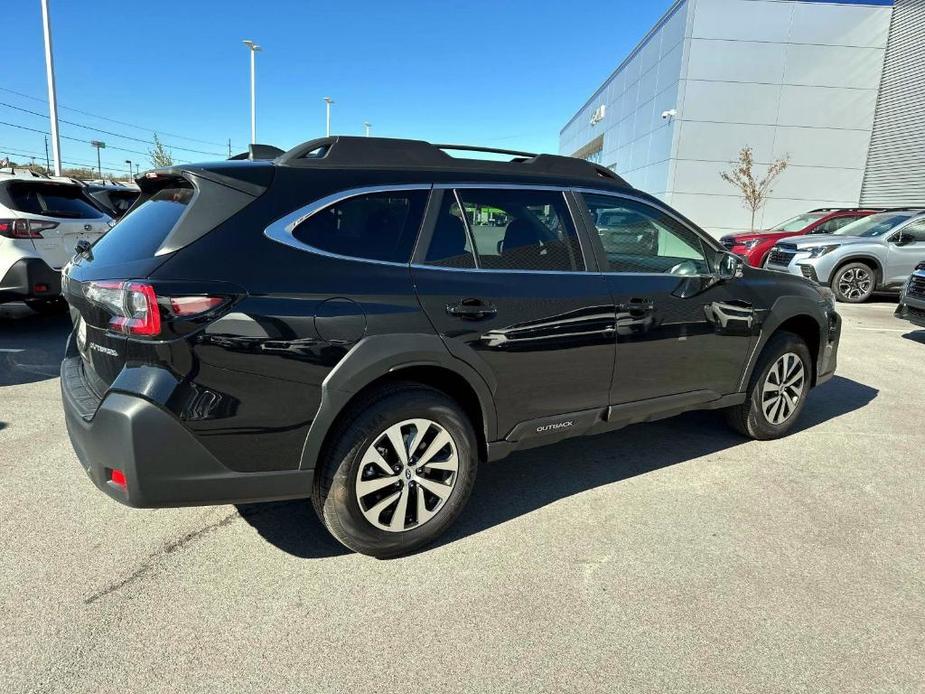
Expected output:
(31, 345)
(916, 336)
(529, 480)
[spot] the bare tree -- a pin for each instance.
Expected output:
(160, 155)
(754, 192)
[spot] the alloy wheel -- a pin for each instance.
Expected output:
(855, 283)
(407, 475)
(783, 387)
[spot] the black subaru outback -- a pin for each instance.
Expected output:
(364, 321)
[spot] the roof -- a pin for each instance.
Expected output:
(371, 153)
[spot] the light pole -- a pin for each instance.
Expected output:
(253, 49)
(52, 93)
(99, 145)
(367, 125)
(129, 162)
(328, 101)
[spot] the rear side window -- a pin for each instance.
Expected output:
(52, 200)
(378, 226)
(140, 233)
(511, 229)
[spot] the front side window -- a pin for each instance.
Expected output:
(508, 229)
(378, 226)
(638, 238)
(916, 230)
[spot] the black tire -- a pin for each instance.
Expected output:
(749, 418)
(854, 283)
(335, 497)
(47, 307)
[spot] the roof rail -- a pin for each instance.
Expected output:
(371, 152)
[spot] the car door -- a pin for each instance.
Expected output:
(680, 331)
(903, 257)
(504, 279)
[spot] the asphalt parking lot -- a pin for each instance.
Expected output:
(672, 556)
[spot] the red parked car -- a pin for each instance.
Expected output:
(754, 246)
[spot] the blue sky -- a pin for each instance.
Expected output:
(503, 74)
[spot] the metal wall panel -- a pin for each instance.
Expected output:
(895, 173)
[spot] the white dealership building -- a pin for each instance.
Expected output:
(838, 86)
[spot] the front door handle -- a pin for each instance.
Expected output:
(637, 307)
(472, 309)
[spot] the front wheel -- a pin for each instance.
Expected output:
(854, 283)
(399, 471)
(777, 390)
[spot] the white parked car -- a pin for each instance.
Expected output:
(41, 221)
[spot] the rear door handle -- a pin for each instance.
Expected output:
(473, 309)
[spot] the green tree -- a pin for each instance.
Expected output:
(755, 192)
(160, 156)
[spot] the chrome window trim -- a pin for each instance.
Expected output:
(281, 230)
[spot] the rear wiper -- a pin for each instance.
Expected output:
(84, 249)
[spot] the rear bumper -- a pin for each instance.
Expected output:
(26, 278)
(162, 462)
(912, 309)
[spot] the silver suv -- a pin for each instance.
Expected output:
(877, 252)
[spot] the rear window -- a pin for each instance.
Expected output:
(141, 232)
(52, 200)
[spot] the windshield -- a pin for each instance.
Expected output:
(800, 222)
(875, 225)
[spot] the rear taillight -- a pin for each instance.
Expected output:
(24, 228)
(136, 309)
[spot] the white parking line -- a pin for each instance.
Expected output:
(12, 351)
(881, 330)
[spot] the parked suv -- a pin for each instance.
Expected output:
(41, 221)
(878, 252)
(754, 246)
(912, 299)
(365, 321)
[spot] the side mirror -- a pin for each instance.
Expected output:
(904, 239)
(728, 267)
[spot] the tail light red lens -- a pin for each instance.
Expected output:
(141, 315)
(24, 228)
(136, 309)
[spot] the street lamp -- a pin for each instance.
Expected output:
(52, 93)
(367, 125)
(99, 145)
(129, 162)
(327, 105)
(253, 49)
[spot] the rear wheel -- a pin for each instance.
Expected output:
(47, 306)
(854, 283)
(777, 390)
(398, 473)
